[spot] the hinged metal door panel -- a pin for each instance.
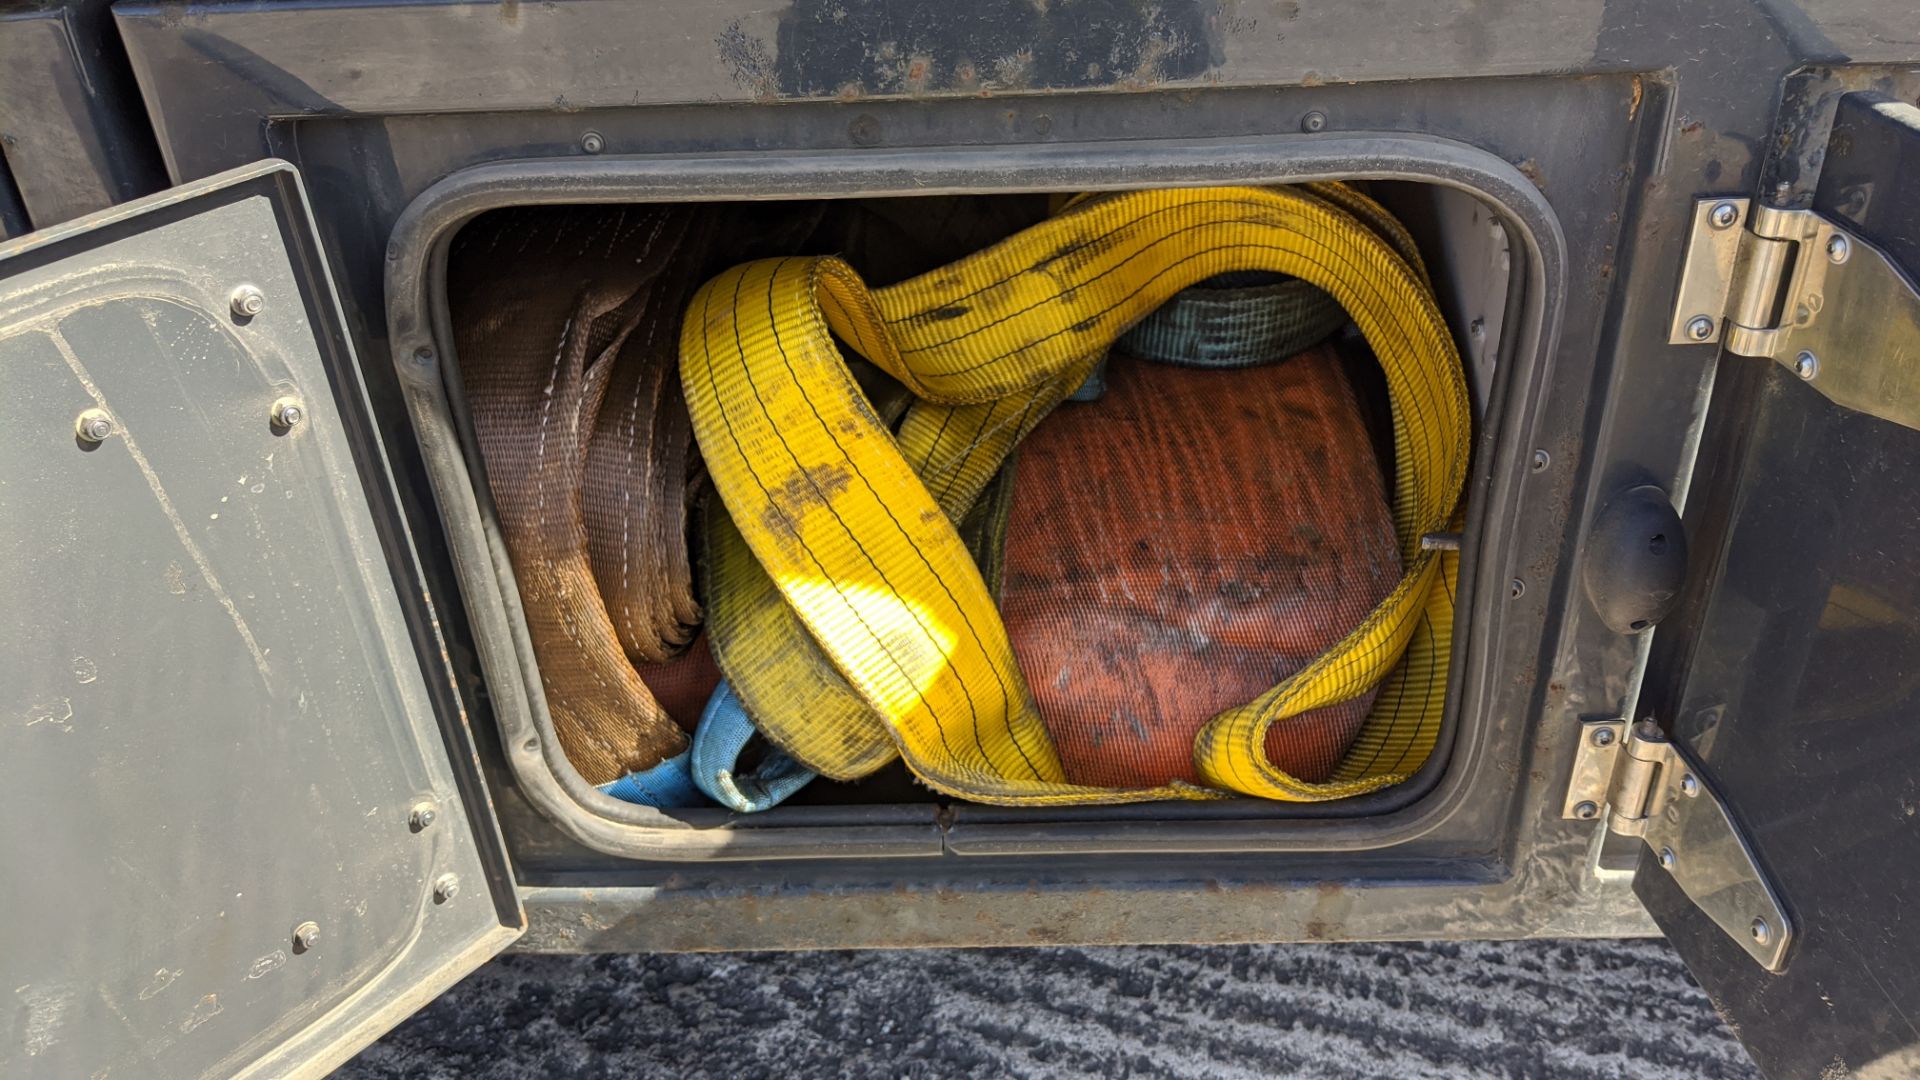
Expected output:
(234, 838)
(1797, 691)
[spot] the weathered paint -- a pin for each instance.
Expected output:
(853, 48)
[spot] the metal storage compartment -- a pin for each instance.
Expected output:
(1475, 845)
(1588, 178)
(396, 166)
(1478, 221)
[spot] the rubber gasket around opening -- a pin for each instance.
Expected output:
(428, 372)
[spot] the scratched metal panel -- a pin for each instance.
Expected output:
(213, 728)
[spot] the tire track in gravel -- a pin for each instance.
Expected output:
(1576, 1009)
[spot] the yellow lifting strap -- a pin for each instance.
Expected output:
(845, 609)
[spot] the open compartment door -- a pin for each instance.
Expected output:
(1797, 694)
(243, 832)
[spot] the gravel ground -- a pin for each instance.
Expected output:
(1442, 1009)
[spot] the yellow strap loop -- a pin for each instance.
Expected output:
(845, 558)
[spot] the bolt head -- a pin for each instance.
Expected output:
(1838, 248)
(1541, 459)
(1586, 810)
(422, 817)
(1668, 858)
(1806, 365)
(1762, 931)
(1603, 737)
(1724, 215)
(864, 130)
(1700, 327)
(1313, 121)
(94, 426)
(287, 412)
(445, 888)
(247, 301)
(593, 142)
(306, 936)
(1517, 588)
(1690, 786)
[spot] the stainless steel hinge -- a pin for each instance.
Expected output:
(1646, 787)
(1796, 288)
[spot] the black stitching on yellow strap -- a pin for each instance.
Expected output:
(873, 566)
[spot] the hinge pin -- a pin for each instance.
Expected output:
(1794, 286)
(1645, 786)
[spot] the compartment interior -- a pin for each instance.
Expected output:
(1463, 242)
